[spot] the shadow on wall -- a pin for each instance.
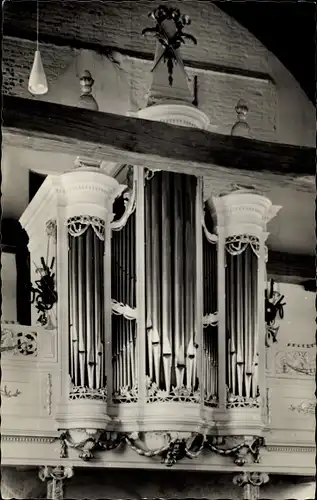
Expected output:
(175, 484)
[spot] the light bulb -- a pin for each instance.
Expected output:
(37, 81)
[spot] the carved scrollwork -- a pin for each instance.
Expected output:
(78, 224)
(237, 244)
(210, 319)
(211, 238)
(129, 203)
(124, 310)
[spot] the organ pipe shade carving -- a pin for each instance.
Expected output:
(170, 255)
(86, 306)
(241, 319)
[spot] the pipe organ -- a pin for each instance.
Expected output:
(160, 311)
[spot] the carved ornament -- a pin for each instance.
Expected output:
(174, 447)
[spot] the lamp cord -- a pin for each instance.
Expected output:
(37, 25)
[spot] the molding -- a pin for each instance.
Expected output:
(28, 439)
(49, 391)
(243, 212)
(176, 114)
(290, 449)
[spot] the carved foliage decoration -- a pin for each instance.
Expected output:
(83, 392)
(24, 343)
(296, 362)
(304, 407)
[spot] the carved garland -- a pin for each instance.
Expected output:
(78, 224)
(174, 450)
(237, 244)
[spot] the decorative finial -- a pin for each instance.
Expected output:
(241, 126)
(169, 32)
(87, 100)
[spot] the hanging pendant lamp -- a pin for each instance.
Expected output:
(37, 81)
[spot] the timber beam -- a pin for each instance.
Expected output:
(51, 127)
(292, 268)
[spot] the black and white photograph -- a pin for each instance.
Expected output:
(158, 241)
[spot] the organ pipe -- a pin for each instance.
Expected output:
(123, 292)
(241, 307)
(86, 302)
(210, 334)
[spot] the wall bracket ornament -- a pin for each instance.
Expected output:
(173, 446)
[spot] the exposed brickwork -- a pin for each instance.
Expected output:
(119, 24)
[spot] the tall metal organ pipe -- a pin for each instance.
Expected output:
(170, 281)
(86, 303)
(210, 334)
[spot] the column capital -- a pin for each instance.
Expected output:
(244, 212)
(251, 482)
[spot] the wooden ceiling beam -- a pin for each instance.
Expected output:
(51, 127)
(291, 268)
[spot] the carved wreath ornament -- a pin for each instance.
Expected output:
(176, 445)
